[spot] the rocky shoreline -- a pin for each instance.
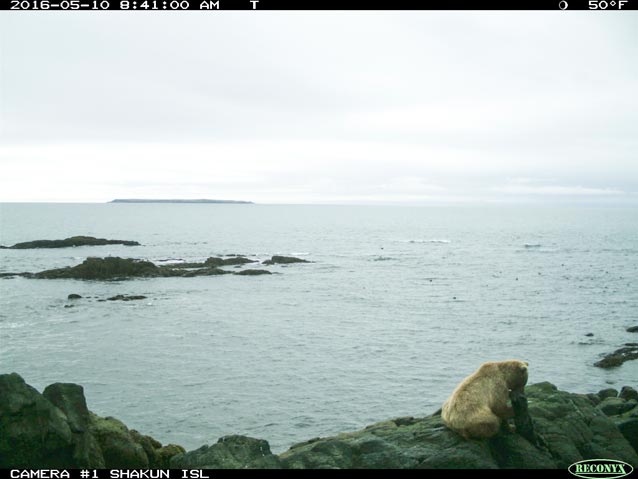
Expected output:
(556, 428)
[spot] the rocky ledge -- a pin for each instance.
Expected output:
(555, 429)
(69, 242)
(115, 268)
(55, 429)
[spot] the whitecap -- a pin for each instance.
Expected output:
(434, 240)
(170, 261)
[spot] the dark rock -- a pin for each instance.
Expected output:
(573, 429)
(238, 260)
(607, 393)
(69, 242)
(615, 359)
(285, 260)
(166, 453)
(105, 269)
(33, 432)
(232, 261)
(589, 335)
(522, 419)
(566, 426)
(632, 329)
(627, 392)
(205, 272)
(69, 305)
(593, 398)
(253, 272)
(230, 452)
(55, 429)
(514, 451)
(183, 265)
(118, 446)
(69, 398)
(125, 297)
(115, 268)
(12, 275)
(629, 428)
(149, 445)
(74, 296)
(554, 429)
(616, 406)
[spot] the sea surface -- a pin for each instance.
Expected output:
(398, 305)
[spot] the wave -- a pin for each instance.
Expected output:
(170, 261)
(437, 241)
(532, 245)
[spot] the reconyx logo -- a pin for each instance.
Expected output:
(600, 468)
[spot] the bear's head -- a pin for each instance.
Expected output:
(515, 373)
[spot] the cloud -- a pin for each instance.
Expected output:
(389, 106)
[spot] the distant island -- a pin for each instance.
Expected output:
(134, 200)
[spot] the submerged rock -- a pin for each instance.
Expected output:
(214, 262)
(74, 296)
(632, 329)
(253, 272)
(125, 297)
(285, 260)
(615, 359)
(202, 272)
(232, 261)
(70, 242)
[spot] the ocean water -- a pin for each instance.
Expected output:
(398, 306)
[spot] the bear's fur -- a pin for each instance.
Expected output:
(477, 405)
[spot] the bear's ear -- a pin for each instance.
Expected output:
(524, 365)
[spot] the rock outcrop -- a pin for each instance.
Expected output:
(568, 428)
(253, 272)
(230, 452)
(612, 360)
(285, 260)
(55, 429)
(69, 242)
(553, 430)
(116, 268)
(126, 297)
(110, 268)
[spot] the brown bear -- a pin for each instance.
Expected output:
(477, 405)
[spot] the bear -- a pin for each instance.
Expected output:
(479, 404)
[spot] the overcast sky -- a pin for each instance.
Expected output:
(308, 107)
